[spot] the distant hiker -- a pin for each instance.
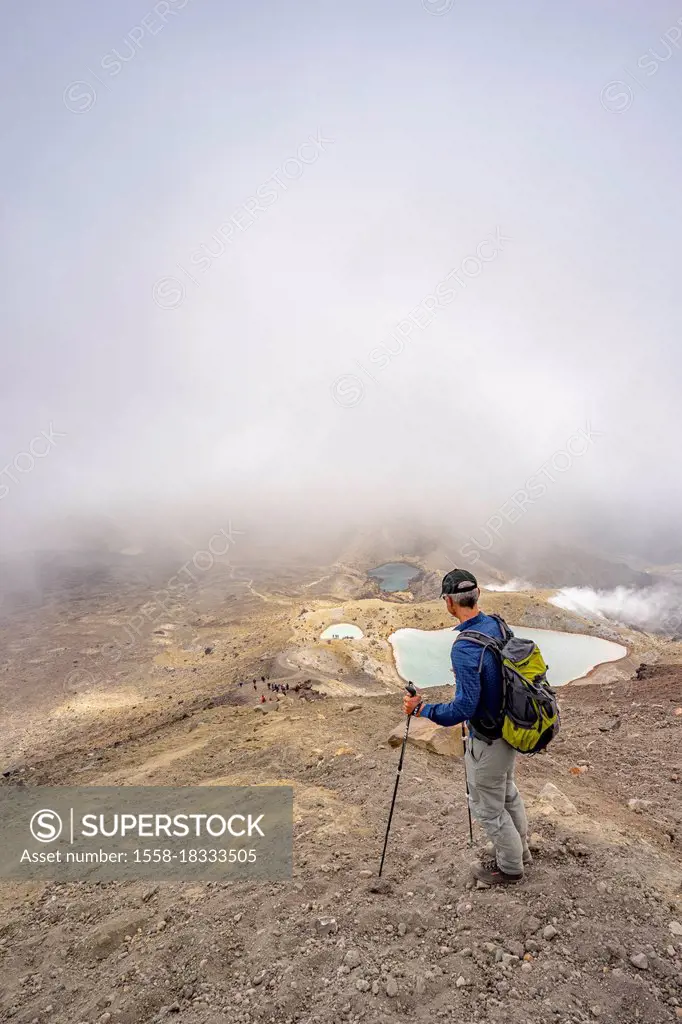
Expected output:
(254, 685)
(262, 679)
(489, 760)
(262, 698)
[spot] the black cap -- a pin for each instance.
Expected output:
(458, 581)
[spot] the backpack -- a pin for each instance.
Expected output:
(530, 713)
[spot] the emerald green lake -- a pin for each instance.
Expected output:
(423, 656)
(394, 575)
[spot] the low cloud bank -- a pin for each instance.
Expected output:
(657, 609)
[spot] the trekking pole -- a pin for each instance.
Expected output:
(466, 786)
(412, 692)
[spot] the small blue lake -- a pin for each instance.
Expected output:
(342, 631)
(394, 575)
(424, 655)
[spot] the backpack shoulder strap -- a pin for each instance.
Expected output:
(483, 641)
(507, 632)
(481, 638)
(488, 643)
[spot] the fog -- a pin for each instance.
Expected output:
(309, 268)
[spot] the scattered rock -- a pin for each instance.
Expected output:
(637, 805)
(535, 842)
(461, 982)
(326, 926)
(549, 932)
(675, 928)
(391, 986)
(111, 934)
(353, 958)
(426, 735)
(351, 707)
(639, 961)
(381, 886)
(554, 800)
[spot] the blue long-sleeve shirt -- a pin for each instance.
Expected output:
(476, 695)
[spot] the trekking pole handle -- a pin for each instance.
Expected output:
(411, 689)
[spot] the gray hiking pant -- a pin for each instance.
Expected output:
(495, 801)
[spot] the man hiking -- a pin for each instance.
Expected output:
(489, 760)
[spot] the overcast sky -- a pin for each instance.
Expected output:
(372, 255)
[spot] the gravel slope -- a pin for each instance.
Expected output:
(592, 934)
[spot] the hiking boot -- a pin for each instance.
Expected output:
(527, 855)
(487, 871)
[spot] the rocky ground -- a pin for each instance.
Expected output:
(593, 933)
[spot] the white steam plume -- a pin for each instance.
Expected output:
(511, 586)
(655, 609)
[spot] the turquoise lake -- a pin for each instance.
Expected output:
(423, 656)
(394, 575)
